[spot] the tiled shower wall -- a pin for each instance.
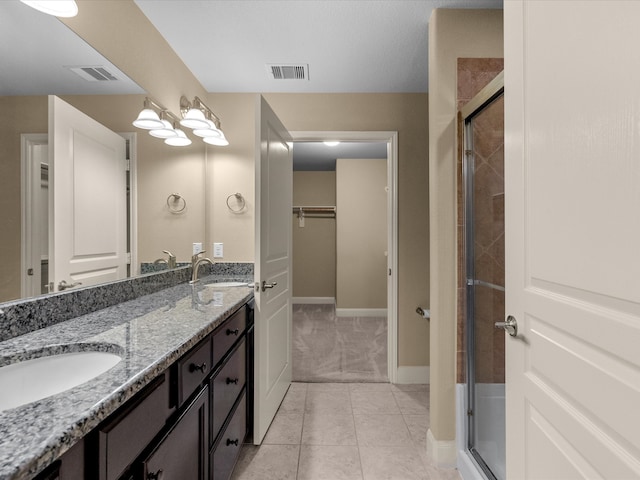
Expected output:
(473, 75)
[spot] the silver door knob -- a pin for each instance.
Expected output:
(266, 285)
(510, 326)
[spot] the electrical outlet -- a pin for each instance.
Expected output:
(218, 251)
(197, 248)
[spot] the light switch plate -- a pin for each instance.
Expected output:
(218, 251)
(197, 248)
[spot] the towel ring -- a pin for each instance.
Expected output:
(241, 203)
(174, 205)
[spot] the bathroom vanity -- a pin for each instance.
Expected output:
(178, 404)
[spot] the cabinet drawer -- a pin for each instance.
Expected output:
(226, 386)
(122, 439)
(225, 454)
(228, 333)
(193, 368)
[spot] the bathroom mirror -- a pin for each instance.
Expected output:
(40, 56)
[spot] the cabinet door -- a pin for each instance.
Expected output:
(225, 388)
(182, 452)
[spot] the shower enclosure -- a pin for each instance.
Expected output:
(482, 120)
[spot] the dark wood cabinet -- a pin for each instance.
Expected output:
(226, 386)
(226, 450)
(124, 435)
(181, 453)
(69, 467)
(189, 423)
(193, 369)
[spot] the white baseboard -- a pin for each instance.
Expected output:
(361, 312)
(313, 300)
(443, 453)
(406, 375)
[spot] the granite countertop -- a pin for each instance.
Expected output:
(150, 333)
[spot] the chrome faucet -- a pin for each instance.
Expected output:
(171, 263)
(195, 265)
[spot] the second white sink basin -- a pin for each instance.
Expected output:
(31, 380)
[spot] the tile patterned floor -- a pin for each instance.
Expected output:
(346, 431)
(326, 348)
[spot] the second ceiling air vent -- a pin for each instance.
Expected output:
(288, 71)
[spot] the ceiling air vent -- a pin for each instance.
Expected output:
(288, 72)
(94, 74)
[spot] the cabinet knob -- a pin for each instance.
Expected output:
(233, 332)
(232, 380)
(232, 442)
(193, 367)
(159, 475)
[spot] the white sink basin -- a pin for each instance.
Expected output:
(31, 380)
(227, 284)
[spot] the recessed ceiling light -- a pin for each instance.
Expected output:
(331, 143)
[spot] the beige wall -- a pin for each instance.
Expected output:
(314, 244)
(405, 113)
(19, 115)
(452, 34)
(361, 234)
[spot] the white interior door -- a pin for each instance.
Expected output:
(87, 199)
(572, 171)
(274, 172)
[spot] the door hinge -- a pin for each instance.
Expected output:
(470, 413)
(389, 272)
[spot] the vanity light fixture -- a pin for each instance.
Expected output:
(148, 118)
(167, 131)
(161, 123)
(180, 139)
(192, 114)
(331, 143)
(217, 141)
(206, 124)
(58, 8)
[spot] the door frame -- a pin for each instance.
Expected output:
(391, 139)
(30, 179)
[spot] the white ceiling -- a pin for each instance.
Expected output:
(349, 45)
(35, 51)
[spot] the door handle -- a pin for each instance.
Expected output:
(510, 326)
(63, 285)
(266, 285)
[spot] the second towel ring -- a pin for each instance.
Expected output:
(174, 205)
(241, 203)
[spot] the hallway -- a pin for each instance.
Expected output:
(346, 431)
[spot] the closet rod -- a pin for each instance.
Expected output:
(314, 209)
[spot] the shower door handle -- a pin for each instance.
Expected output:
(510, 326)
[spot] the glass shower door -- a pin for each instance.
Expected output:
(484, 234)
